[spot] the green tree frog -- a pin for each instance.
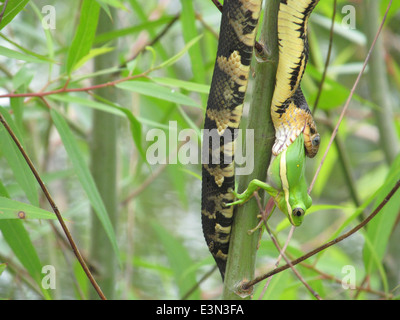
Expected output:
(288, 184)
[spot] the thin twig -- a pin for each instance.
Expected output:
(203, 278)
(251, 283)
(278, 260)
(218, 5)
(282, 254)
(54, 207)
(326, 276)
(64, 89)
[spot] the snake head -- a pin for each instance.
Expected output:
(312, 139)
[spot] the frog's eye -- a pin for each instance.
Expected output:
(297, 212)
(316, 140)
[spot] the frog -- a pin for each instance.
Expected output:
(287, 183)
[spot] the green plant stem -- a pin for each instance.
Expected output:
(103, 167)
(378, 84)
(243, 247)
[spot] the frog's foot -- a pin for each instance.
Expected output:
(253, 186)
(241, 198)
(258, 226)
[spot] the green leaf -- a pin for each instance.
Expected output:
(179, 183)
(22, 173)
(3, 267)
(114, 3)
(21, 82)
(18, 239)
(87, 102)
(135, 125)
(157, 91)
(333, 93)
(187, 85)
(107, 36)
(30, 53)
(189, 31)
(23, 77)
(379, 229)
(107, 106)
(48, 34)
(92, 54)
(179, 260)
(84, 176)
(394, 9)
(12, 9)
(12, 54)
(85, 33)
(353, 35)
(179, 55)
(15, 234)
(12, 209)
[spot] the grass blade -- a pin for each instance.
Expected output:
(16, 236)
(11, 209)
(84, 176)
(179, 260)
(85, 33)
(107, 106)
(22, 173)
(13, 8)
(156, 91)
(16, 55)
(379, 229)
(188, 20)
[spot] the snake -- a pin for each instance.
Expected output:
(289, 110)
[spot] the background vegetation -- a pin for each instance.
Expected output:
(81, 96)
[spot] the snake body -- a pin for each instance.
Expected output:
(290, 112)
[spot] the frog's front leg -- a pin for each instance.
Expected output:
(253, 186)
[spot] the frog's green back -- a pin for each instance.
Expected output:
(295, 164)
(287, 173)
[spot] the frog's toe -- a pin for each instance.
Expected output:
(234, 203)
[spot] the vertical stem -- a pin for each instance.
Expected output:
(378, 83)
(103, 166)
(243, 247)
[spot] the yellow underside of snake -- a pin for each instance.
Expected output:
(290, 113)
